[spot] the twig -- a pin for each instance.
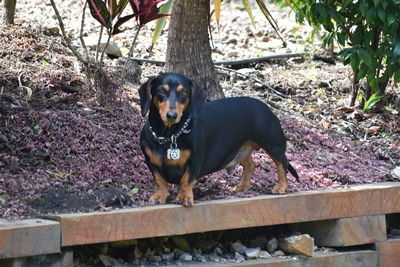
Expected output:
(66, 39)
(98, 44)
(81, 31)
(104, 49)
(256, 80)
(235, 61)
(259, 59)
(133, 42)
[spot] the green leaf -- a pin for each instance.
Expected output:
(164, 9)
(396, 76)
(340, 38)
(346, 2)
(134, 190)
(248, 8)
(396, 50)
(355, 62)
(391, 18)
(382, 15)
(125, 187)
(375, 98)
(366, 57)
(363, 70)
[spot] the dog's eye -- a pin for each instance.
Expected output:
(161, 95)
(184, 94)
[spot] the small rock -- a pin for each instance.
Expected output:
(168, 256)
(232, 54)
(185, 257)
(181, 243)
(279, 253)
(265, 39)
(217, 251)
(214, 258)
(200, 258)
(112, 48)
(264, 255)
(252, 253)
(155, 258)
(272, 245)
(239, 257)
(239, 247)
(52, 31)
(396, 173)
(298, 244)
(231, 40)
(108, 261)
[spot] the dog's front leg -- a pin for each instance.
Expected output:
(185, 194)
(161, 194)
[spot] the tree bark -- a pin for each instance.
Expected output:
(8, 12)
(188, 49)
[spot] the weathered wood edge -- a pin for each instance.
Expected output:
(29, 237)
(365, 258)
(163, 220)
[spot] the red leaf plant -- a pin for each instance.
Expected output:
(144, 11)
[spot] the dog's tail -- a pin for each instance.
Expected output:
(293, 172)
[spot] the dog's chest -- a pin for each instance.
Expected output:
(171, 167)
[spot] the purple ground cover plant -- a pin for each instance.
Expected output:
(85, 150)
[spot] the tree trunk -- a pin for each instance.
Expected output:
(188, 50)
(8, 12)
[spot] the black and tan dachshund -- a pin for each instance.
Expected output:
(185, 138)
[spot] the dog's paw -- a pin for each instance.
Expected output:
(158, 198)
(185, 199)
(241, 187)
(279, 189)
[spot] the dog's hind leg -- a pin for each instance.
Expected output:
(281, 169)
(248, 169)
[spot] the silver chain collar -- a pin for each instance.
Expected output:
(163, 140)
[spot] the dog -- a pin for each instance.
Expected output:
(185, 137)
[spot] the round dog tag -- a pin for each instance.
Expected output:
(175, 154)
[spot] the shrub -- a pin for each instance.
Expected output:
(368, 33)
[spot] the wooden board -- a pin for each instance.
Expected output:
(362, 258)
(28, 238)
(164, 220)
(346, 231)
(389, 253)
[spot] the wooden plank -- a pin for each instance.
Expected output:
(346, 231)
(164, 220)
(389, 253)
(362, 258)
(63, 259)
(28, 238)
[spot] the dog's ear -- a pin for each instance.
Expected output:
(197, 100)
(145, 96)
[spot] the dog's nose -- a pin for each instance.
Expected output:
(172, 115)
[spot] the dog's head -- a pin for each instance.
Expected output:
(172, 95)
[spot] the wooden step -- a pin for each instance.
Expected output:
(28, 238)
(389, 253)
(164, 220)
(362, 258)
(346, 231)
